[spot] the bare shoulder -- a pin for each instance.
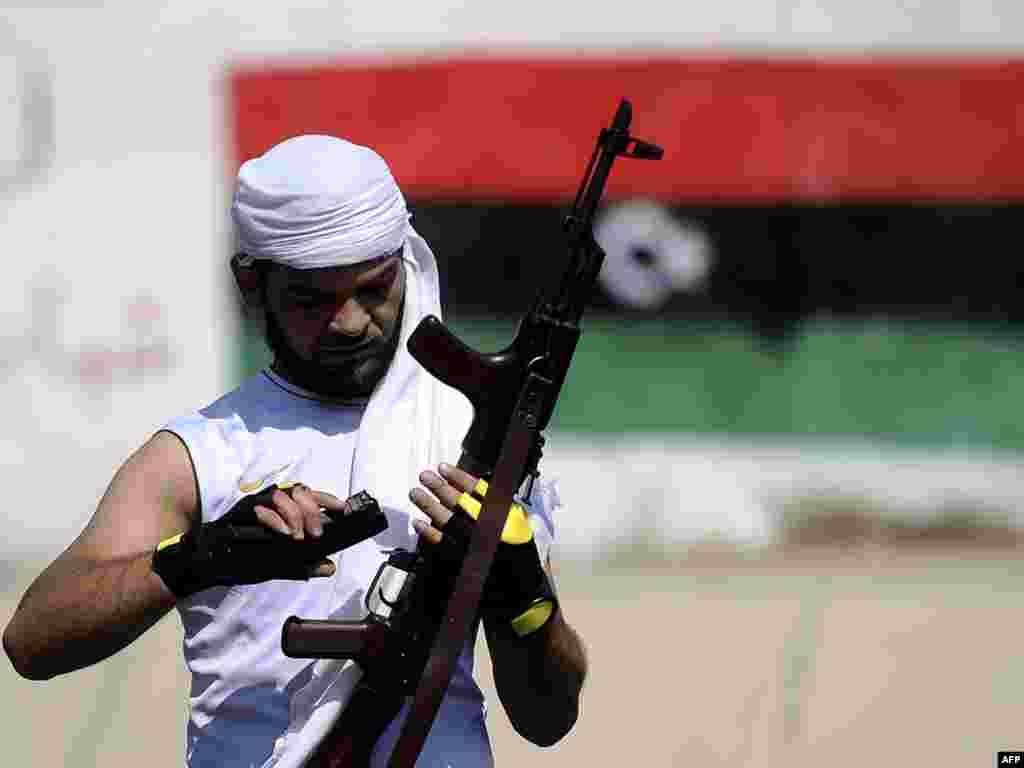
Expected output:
(152, 496)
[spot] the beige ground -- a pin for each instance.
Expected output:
(840, 661)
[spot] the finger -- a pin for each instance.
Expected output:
(309, 508)
(462, 480)
(450, 495)
(330, 502)
(430, 506)
(447, 494)
(323, 568)
(291, 513)
(427, 532)
(272, 519)
(449, 549)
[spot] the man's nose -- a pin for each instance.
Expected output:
(350, 319)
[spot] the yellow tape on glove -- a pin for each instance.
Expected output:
(517, 528)
(169, 541)
(533, 618)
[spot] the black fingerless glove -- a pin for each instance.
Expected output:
(239, 549)
(517, 591)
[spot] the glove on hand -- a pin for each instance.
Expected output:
(517, 590)
(239, 549)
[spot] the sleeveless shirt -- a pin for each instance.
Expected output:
(268, 431)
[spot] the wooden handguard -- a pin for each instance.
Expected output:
(362, 641)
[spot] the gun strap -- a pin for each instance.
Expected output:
(462, 606)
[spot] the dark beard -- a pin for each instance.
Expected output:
(355, 376)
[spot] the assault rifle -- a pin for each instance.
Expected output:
(409, 643)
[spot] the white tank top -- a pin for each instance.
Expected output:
(268, 431)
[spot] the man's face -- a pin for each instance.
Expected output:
(335, 330)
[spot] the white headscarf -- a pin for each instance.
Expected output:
(318, 201)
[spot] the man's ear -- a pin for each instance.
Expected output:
(250, 280)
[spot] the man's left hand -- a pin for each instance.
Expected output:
(518, 591)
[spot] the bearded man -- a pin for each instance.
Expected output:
(330, 259)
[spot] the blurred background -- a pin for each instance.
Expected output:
(790, 443)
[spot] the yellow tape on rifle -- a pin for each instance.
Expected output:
(517, 528)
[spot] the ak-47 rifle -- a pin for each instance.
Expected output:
(411, 644)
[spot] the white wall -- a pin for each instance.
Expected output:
(120, 233)
(112, 307)
(671, 491)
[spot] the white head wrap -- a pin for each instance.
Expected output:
(318, 201)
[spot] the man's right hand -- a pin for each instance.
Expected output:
(282, 532)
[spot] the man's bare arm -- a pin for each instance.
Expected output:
(539, 678)
(100, 594)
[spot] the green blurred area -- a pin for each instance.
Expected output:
(905, 383)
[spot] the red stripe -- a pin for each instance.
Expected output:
(733, 130)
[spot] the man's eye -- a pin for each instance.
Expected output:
(375, 290)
